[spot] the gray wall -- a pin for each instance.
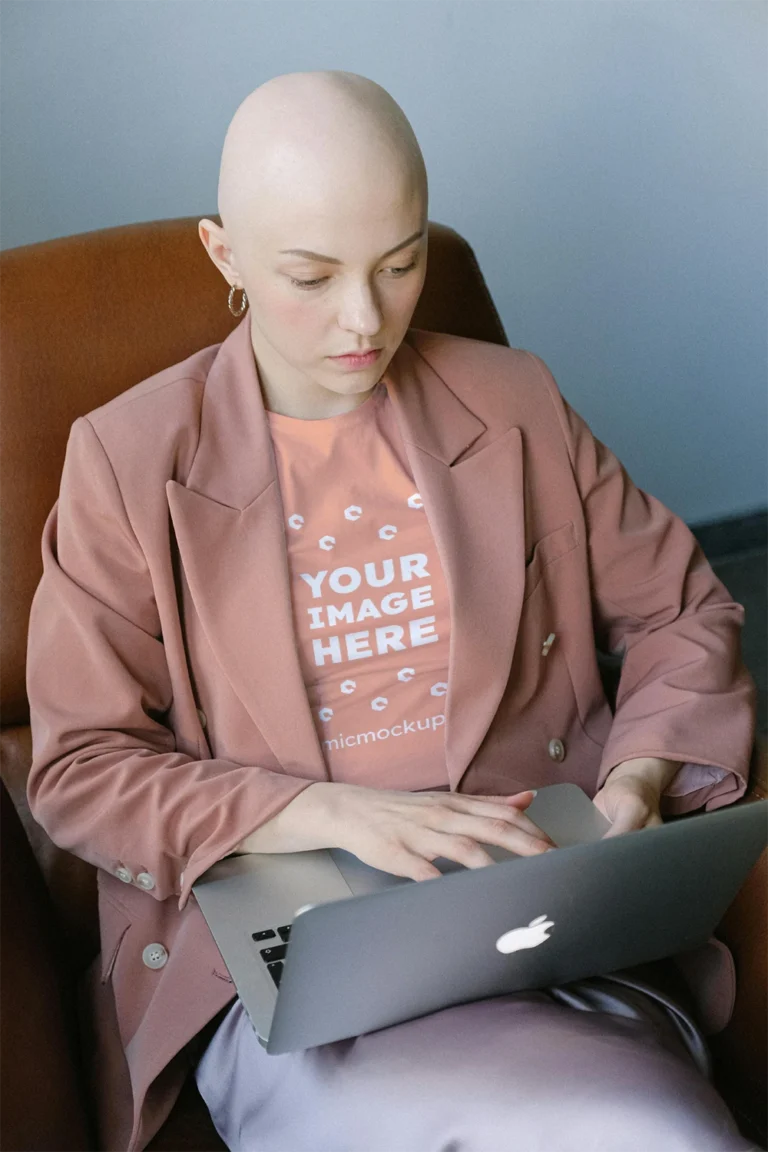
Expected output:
(608, 162)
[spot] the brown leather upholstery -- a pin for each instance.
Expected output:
(740, 1052)
(41, 1099)
(83, 319)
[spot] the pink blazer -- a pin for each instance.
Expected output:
(168, 710)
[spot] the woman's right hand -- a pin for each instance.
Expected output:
(401, 832)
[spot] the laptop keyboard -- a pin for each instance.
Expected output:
(274, 955)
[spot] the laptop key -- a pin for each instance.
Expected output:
(277, 953)
(285, 932)
(267, 934)
(276, 970)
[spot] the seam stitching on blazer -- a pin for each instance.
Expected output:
(118, 489)
(550, 387)
(126, 400)
(552, 560)
(563, 429)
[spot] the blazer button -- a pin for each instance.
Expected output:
(145, 880)
(548, 644)
(124, 874)
(202, 718)
(155, 956)
(556, 750)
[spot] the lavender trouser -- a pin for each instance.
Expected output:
(594, 1066)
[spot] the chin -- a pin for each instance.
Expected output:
(357, 381)
(354, 387)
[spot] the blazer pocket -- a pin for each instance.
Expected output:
(114, 922)
(545, 551)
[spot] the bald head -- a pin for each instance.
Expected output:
(333, 144)
(323, 203)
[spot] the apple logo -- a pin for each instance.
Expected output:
(535, 933)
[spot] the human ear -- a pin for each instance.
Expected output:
(216, 243)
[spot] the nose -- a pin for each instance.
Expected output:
(360, 312)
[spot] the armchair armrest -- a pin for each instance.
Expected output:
(41, 1096)
(740, 1051)
(758, 772)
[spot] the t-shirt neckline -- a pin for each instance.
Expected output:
(294, 423)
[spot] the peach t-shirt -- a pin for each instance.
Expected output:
(370, 605)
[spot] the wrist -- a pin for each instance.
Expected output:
(653, 770)
(302, 825)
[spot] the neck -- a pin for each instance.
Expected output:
(304, 400)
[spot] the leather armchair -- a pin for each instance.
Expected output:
(83, 319)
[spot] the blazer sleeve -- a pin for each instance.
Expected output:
(106, 781)
(684, 693)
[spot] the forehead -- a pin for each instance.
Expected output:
(344, 222)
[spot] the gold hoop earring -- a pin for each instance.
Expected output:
(244, 303)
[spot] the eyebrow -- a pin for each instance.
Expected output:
(332, 259)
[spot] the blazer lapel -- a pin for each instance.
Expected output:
(229, 525)
(471, 484)
(229, 521)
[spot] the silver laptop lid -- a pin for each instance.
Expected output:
(364, 963)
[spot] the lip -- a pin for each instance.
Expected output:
(358, 361)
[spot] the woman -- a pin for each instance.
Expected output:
(292, 602)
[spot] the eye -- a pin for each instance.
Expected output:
(309, 285)
(306, 283)
(400, 272)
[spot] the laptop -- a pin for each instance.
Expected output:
(322, 947)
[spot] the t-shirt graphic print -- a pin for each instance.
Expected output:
(370, 605)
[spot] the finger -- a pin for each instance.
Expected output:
(532, 829)
(492, 810)
(518, 799)
(463, 849)
(494, 806)
(630, 815)
(412, 865)
(502, 833)
(527, 840)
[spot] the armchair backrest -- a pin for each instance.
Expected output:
(84, 318)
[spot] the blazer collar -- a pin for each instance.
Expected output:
(234, 462)
(229, 521)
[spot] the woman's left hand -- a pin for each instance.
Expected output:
(631, 794)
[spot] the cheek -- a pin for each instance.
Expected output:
(406, 304)
(284, 309)
(291, 314)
